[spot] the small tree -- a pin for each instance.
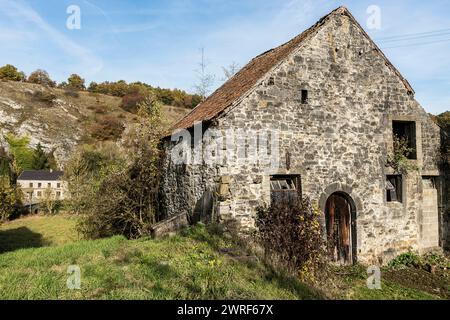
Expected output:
(107, 128)
(205, 79)
(84, 172)
(49, 201)
(132, 100)
(230, 71)
(75, 82)
(5, 165)
(290, 234)
(9, 72)
(398, 160)
(123, 197)
(41, 77)
(10, 200)
(43, 160)
(21, 152)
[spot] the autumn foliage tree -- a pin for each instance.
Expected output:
(115, 189)
(41, 77)
(75, 82)
(107, 128)
(9, 72)
(290, 234)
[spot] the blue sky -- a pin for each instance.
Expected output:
(158, 41)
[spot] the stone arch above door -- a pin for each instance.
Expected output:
(336, 188)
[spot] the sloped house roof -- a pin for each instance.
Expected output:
(241, 84)
(41, 175)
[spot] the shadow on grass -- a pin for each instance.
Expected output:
(20, 238)
(292, 284)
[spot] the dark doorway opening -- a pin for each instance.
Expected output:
(340, 214)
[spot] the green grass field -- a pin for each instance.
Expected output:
(36, 252)
(189, 266)
(37, 231)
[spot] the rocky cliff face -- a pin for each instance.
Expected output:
(59, 119)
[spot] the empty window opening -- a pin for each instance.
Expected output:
(285, 188)
(304, 96)
(429, 182)
(31, 185)
(406, 131)
(394, 188)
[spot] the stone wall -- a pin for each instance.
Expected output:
(338, 141)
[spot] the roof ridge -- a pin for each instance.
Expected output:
(247, 77)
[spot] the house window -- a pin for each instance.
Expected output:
(304, 96)
(394, 188)
(39, 185)
(39, 193)
(49, 185)
(31, 185)
(58, 194)
(58, 185)
(406, 130)
(285, 188)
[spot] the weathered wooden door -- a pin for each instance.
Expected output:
(340, 229)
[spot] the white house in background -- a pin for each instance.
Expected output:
(35, 184)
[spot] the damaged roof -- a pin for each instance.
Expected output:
(243, 81)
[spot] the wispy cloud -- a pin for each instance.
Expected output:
(22, 12)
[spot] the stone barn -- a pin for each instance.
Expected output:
(316, 116)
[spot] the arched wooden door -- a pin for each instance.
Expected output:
(340, 216)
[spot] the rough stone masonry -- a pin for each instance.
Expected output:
(333, 100)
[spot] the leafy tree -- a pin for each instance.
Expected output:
(5, 165)
(49, 202)
(9, 72)
(398, 160)
(75, 82)
(84, 173)
(43, 160)
(444, 121)
(93, 87)
(107, 128)
(21, 152)
(121, 195)
(10, 201)
(41, 77)
(133, 93)
(63, 85)
(290, 234)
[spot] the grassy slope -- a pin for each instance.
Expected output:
(190, 266)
